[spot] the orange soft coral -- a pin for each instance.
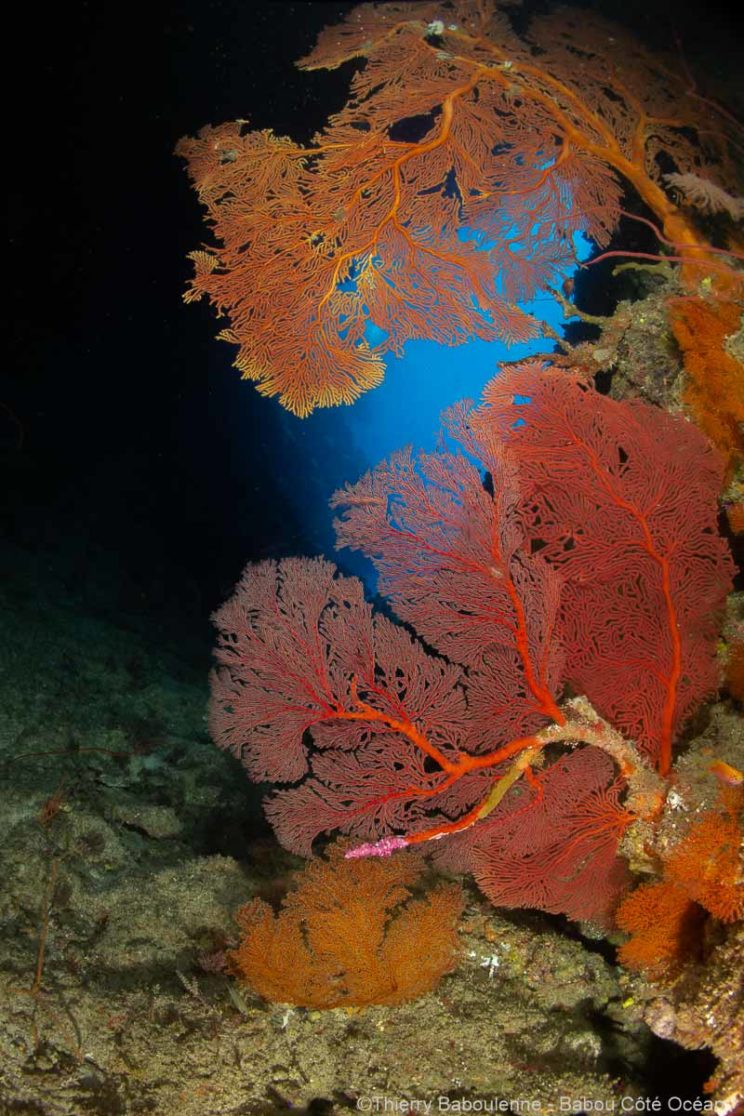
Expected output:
(350, 934)
(703, 872)
(664, 928)
(707, 865)
(714, 391)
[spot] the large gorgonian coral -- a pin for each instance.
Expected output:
(559, 538)
(350, 933)
(454, 121)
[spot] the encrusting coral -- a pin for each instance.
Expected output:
(350, 933)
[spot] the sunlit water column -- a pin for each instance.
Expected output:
(338, 445)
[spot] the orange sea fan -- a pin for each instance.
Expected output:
(703, 872)
(350, 934)
(714, 391)
(663, 925)
(707, 866)
(451, 123)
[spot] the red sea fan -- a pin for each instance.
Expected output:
(301, 658)
(556, 852)
(452, 558)
(555, 537)
(621, 499)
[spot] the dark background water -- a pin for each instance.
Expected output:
(141, 473)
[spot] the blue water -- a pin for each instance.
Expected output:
(333, 446)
